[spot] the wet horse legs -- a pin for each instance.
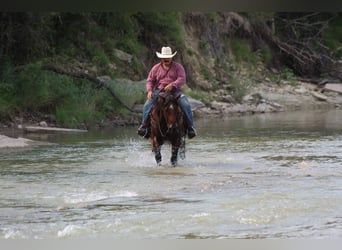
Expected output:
(157, 155)
(174, 155)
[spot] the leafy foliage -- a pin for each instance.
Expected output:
(242, 51)
(87, 41)
(333, 35)
(73, 101)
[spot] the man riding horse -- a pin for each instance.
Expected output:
(169, 76)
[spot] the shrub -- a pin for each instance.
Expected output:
(239, 86)
(333, 36)
(242, 51)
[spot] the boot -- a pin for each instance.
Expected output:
(191, 132)
(144, 131)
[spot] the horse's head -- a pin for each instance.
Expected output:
(170, 109)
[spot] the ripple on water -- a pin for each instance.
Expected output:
(260, 177)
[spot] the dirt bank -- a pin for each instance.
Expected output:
(263, 98)
(267, 98)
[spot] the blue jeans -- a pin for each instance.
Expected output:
(182, 101)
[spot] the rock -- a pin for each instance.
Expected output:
(123, 56)
(254, 98)
(104, 78)
(276, 105)
(334, 87)
(262, 108)
(218, 105)
(301, 90)
(8, 142)
(319, 96)
(43, 124)
(195, 104)
(227, 98)
(205, 111)
(112, 66)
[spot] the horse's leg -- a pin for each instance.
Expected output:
(157, 155)
(174, 155)
(182, 149)
(156, 144)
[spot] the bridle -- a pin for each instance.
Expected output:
(169, 103)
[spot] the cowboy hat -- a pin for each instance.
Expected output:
(166, 52)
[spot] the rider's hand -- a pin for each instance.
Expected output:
(149, 95)
(169, 87)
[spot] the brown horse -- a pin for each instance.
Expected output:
(167, 124)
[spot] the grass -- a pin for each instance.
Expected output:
(242, 51)
(197, 94)
(238, 88)
(72, 101)
(286, 75)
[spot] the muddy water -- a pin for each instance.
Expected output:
(263, 176)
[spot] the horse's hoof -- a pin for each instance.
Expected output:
(174, 163)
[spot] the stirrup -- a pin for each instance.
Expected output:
(144, 131)
(191, 132)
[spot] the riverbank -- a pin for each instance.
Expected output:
(263, 98)
(268, 98)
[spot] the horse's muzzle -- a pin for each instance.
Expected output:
(171, 128)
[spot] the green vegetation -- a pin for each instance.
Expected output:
(205, 72)
(76, 42)
(265, 54)
(285, 75)
(333, 36)
(88, 42)
(73, 101)
(198, 94)
(242, 51)
(239, 86)
(129, 92)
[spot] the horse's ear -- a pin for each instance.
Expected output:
(162, 95)
(161, 98)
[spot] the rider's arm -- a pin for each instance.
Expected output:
(151, 79)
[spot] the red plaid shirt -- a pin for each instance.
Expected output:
(159, 77)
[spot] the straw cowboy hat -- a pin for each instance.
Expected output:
(166, 52)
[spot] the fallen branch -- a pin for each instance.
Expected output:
(51, 129)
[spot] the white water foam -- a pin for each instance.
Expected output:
(125, 194)
(198, 215)
(12, 234)
(68, 231)
(84, 196)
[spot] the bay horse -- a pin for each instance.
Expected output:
(168, 124)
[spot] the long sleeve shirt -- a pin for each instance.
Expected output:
(159, 77)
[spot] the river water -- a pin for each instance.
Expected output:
(262, 176)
